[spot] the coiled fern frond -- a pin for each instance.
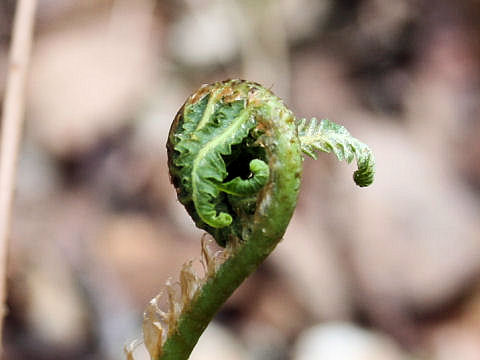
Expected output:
(329, 137)
(235, 159)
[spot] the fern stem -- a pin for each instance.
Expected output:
(212, 295)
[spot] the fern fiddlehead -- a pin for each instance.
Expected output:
(239, 131)
(235, 159)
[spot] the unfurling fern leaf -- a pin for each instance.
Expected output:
(235, 159)
(330, 137)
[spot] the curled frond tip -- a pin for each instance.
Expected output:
(329, 137)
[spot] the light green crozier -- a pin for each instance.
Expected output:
(235, 159)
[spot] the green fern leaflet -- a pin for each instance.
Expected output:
(329, 137)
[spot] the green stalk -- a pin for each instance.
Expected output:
(212, 295)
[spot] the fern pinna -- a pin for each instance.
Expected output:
(235, 159)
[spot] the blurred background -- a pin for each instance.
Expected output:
(385, 273)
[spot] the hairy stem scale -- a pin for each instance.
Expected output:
(235, 159)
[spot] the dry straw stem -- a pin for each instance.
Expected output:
(13, 110)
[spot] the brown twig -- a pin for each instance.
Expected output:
(13, 110)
